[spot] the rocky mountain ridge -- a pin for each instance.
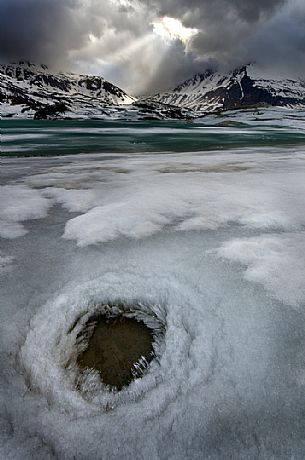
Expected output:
(241, 88)
(34, 91)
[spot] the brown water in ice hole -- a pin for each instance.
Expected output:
(114, 347)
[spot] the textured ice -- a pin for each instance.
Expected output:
(269, 259)
(192, 193)
(208, 246)
(5, 262)
(19, 203)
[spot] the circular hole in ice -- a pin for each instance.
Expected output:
(118, 347)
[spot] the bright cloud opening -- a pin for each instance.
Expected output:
(171, 29)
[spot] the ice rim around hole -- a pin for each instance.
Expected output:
(88, 382)
(47, 358)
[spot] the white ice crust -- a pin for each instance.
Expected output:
(19, 203)
(209, 244)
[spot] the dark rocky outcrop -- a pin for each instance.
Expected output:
(50, 111)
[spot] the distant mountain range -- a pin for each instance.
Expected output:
(33, 91)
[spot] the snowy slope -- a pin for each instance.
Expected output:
(244, 87)
(26, 88)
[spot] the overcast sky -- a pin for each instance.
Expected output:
(147, 46)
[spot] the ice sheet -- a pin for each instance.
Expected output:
(210, 245)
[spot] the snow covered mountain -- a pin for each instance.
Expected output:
(242, 88)
(33, 91)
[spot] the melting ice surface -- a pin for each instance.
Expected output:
(209, 244)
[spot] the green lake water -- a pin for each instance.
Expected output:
(44, 138)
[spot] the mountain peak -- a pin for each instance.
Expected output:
(31, 64)
(27, 64)
(34, 87)
(243, 87)
(29, 90)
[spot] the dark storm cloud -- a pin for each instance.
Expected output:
(281, 43)
(222, 24)
(115, 37)
(50, 29)
(36, 29)
(196, 11)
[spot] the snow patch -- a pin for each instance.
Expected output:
(276, 261)
(18, 204)
(147, 202)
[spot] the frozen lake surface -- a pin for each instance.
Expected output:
(208, 242)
